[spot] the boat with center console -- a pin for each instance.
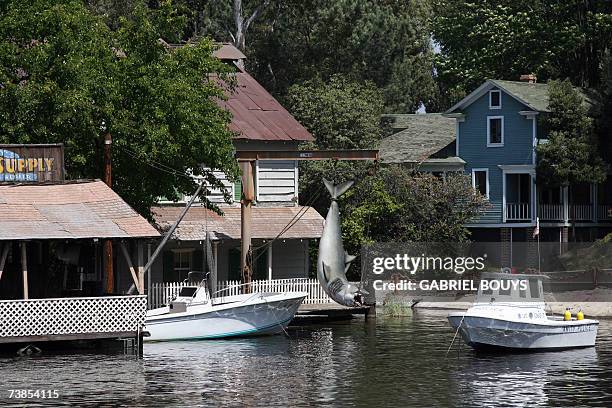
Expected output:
(513, 316)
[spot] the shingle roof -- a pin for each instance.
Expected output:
(534, 95)
(423, 135)
(85, 209)
(267, 222)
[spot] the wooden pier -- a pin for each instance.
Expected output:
(325, 312)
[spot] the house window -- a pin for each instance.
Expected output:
(495, 131)
(494, 99)
(181, 263)
(480, 181)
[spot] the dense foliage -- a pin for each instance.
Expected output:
(341, 114)
(571, 154)
(503, 39)
(67, 77)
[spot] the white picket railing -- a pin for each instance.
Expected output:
(605, 212)
(581, 212)
(518, 211)
(551, 212)
(162, 293)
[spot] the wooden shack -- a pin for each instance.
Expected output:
(51, 263)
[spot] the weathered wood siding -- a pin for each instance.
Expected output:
(276, 181)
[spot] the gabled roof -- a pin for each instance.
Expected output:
(267, 222)
(422, 136)
(256, 115)
(533, 95)
(71, 210)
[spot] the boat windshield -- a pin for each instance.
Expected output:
(188, 291)
(502, 287)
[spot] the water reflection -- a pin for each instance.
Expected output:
(386, 362)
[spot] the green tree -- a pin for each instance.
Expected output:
(385, 42)
(398, 205)
(67, 77)
(340, 114)
(504, 39)
(570, 155)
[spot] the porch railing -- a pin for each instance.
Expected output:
(581, 212)
(161, 293)
(551, 212)
(604, 212)
(518, 211)
(71, 316)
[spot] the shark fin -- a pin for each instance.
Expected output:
(337, 190)
(325, 273)
(349, 258)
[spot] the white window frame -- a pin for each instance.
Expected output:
(486, 170)
(491, 98)
(489, 119)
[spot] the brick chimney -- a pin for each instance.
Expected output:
(531, 78)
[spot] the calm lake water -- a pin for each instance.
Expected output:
(382, 362)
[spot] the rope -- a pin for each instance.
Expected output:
(455, 336)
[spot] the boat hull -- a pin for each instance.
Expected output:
(486, 332)
(269, 316)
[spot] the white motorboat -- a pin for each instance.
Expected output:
(516, 319)
(194, 315)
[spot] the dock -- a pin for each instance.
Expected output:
(325, 312)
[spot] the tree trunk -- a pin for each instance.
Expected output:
(242, 24)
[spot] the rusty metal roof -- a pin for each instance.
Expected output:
(267, 222)
(72, 210)
(256, 115)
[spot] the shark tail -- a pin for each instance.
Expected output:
(338, 189)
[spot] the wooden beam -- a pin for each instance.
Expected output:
(140, 267)
(128, 259)
(24, 268)
(252, 155)
(5, 250)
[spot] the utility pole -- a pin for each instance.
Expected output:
(108, 244)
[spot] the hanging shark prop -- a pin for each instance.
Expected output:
(333, 261)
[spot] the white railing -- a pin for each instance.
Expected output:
(71, 316)
(162, 293)
(605, 212)
(518, 211)
(581, 212)
(551, 212)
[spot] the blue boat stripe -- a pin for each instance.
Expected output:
(237, 333)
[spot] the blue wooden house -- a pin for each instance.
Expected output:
(498, 127)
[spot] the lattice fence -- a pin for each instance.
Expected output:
(39, 317)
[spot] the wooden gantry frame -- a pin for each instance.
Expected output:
(246, 161)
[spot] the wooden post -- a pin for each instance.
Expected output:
(248, 196)
(3, 256)
(213, 274)
(148, 277)
(270, 261)
(108, 244)
(141, 268)
(24, 268)
(128, 260)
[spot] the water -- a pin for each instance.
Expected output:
(383, 362)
